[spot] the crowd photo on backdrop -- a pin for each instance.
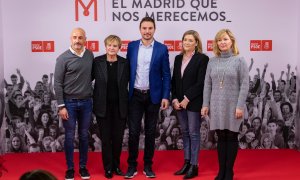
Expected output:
(111, 104)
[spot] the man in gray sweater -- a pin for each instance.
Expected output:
(73, 89)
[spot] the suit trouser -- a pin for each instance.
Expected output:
(139, 105)
(111, 132)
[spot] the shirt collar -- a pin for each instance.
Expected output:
(74, 52)
(151, 45)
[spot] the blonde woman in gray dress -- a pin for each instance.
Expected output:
(225, 92)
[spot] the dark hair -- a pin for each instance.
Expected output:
(273, 120)
(36, 96)
(39, 119)
(34, 145)
(260, 120)
(13, 76)
(38, 175)
(174, 127)
(17, 95)
(12, 149)
(45, 76)
(250, 130)
(283, 81)
(277, 91)
(53, 126)
(280, 125)
(148, 19)
(179, 137)
(291, 136)
(246, 124)
(16, 117)
(27, 91)
(288, 104)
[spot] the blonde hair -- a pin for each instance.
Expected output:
(196, 35)
(112, 38)
(218, 36)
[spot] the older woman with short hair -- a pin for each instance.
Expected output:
(110, 98)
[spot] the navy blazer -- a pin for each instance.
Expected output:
(99, 73)
(191, 84)
(160, 75)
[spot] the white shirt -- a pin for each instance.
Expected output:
(79, 55)
(143, 66)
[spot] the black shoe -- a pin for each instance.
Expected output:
(131, 172)
(149, 173)
(184, 168)
(69, 174)
(192, 172)
(84, 173)
(218, 178)
(118, 172)
(108, 174)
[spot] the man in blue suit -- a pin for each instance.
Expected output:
(149, 90)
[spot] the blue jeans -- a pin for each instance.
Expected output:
(190, 127)
(80, 111)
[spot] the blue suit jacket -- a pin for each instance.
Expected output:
(159, 77)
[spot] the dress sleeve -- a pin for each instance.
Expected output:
(207, 86)
(243, 83)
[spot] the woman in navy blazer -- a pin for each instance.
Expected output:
(110, 102)
(187, 96)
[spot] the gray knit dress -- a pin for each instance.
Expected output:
(223, 98)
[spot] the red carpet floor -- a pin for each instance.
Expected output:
(250, 164)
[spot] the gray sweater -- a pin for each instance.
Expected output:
(222, 102)
(72, 76)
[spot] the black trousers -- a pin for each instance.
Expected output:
(227, 151)
(111, 131)
(139, 105)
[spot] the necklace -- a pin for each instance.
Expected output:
(111, 62)
(221, 79)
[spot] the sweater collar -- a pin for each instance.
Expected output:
(226, 54)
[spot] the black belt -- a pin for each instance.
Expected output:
(141, 91)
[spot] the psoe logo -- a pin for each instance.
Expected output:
(255, 45)
(85, 8)
(178, 45)
(92, 46)
(266, 45)
(209, 45)
(42, 46)
(124, 46)
(170, 45)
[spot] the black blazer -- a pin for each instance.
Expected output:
(192, 83)
(99, 73)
